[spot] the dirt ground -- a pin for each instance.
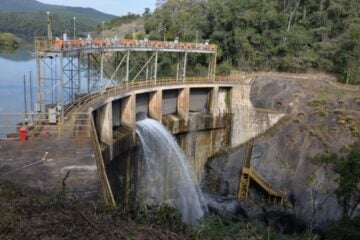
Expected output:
(25, 215)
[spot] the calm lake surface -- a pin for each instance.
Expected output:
(13, 67)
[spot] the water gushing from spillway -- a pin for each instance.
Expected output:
(166, 176)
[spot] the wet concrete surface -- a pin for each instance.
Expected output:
(42, 163)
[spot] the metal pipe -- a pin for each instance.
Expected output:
(101, 68)
(39, 107)
(25, 102)
(185, 64)
(156, 65)
(178, 66)
(127, 67)
(62, 88)
(79, 73)
(31, 94)
(88, 72)
(74, 27)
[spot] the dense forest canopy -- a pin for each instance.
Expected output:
(262, 35)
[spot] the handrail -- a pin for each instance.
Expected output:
(56, 44)
(235, 78)
(256, 176)
(39, 124)
(126, 87)
(106, 188)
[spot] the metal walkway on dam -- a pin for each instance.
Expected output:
(60, 63)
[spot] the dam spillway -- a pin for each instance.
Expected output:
(166, 176)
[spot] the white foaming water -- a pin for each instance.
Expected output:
(166, 176)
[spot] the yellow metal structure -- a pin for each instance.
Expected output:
(244, 187)
(248, 173)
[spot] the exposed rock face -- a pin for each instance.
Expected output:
(320, 118)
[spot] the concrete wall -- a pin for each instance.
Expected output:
(104, 125)
(247, 121)
(183, 103)
(204, 120)
(156, 105)
(128, 111)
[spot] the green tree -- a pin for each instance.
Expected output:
(348, 170)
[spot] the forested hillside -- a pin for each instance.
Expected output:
(29, 25)
(27, 18)
(257, 35)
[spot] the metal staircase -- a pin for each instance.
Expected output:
(250, 173)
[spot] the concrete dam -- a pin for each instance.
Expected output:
(96, 154)
(205, 118)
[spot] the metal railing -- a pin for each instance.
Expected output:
(234, 78)
(39, 124)
(105, 185)
(122, 88)
(44, 44)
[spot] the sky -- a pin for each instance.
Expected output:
(115, 7)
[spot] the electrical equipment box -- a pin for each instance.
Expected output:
(37, 107)
(52, 113)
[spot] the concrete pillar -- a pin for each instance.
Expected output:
(213, 101)
(155, 105)
(128, 111)
(183, 103)
(105, 122)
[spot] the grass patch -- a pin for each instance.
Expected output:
(355, 129)
(338, 111)
(316, 103)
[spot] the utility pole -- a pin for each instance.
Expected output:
(133, 34)
(49, 31)
(25, 102)
(103, 31)
(31, 94)
(74, 27)
(196, 40)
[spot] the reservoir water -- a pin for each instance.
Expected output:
(13, 67)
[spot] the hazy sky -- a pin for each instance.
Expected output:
(115, 7)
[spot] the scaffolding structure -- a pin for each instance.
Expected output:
(68, 68)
